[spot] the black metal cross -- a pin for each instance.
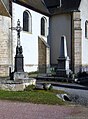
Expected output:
(18, 28)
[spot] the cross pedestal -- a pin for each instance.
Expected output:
(19, 59)
(20, 78)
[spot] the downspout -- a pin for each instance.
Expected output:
(72, 43)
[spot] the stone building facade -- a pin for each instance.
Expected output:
(5, 41)
(5, 45)
(69, 18)
(62, 18)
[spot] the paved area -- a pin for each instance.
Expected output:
(18, 110)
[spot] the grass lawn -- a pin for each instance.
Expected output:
(34, 96)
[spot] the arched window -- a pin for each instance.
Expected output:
(86, 29)
(43, 26)
(27, 21)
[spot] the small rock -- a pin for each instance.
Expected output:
(46, 86)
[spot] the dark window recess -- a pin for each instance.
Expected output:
(25, 21)
(43, 26)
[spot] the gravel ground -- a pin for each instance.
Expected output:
(78, 93)
(18, 110)
(78, 96)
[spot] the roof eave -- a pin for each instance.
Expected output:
(32, 8)
(5, 12)
(62, 11)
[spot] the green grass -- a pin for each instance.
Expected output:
(35, 96)
(33, 74)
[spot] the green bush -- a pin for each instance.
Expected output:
(33, 74)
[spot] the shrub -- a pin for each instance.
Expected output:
(82, 74)
(30, 88)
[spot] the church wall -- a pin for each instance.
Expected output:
(29, 41)
(5, 46)
(84, 16)
(59, 25)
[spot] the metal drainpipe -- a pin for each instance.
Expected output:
(72, 43)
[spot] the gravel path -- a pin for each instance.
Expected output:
(78, 93)
(78, 96)
(18, 110)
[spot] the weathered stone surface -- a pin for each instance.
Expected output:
(20, 75)
(5, 46)
(17, 85)
(77, 31)
(76, 15)
(43, 56)
(77, 24)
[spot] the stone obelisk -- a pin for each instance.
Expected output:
(63, 60)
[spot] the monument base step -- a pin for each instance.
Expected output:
(62, 73)
(18, 85)
(20, 76)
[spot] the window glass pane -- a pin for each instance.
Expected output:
(86, 29)
(25, 21)
(43, 27)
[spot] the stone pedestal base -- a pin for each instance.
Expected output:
(19, 63)
(17, 85)
(62, 73)
(20, 76)
(63, 67)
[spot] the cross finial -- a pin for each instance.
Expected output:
(18, 28)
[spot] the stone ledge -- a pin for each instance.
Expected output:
(20, 75)
(16, 85)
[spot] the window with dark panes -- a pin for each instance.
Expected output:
(27, 21)
(43, 26)
(86, 29)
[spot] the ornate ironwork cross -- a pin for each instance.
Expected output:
(18, 28)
